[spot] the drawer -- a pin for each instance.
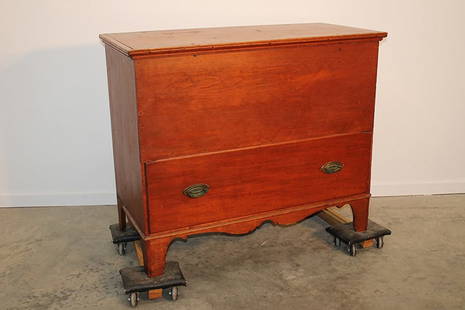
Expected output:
(254, 180)
(196, 103)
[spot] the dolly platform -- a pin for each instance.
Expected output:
(135, 281)
(345, 233)
(121, 238)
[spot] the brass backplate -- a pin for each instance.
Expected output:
(332, 167)
(196, 190)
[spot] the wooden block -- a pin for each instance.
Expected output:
(367, 243)
(333, 217)
(139, 253)
(154, 294)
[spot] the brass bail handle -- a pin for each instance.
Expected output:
(332, 167)
(196, 190)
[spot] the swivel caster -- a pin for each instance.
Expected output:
(133, 299)
(337, 242)
(171, 293)
(352, 249)
(122, 248)
(379, 242)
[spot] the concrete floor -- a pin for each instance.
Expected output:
(62, 258)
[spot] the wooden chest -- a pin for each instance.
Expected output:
(221, 129)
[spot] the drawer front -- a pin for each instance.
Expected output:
(237, 183)
(191, 104)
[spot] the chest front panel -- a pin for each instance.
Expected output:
(204, 102)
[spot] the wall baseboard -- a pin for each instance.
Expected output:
(59, 199)
(419, 188)
(109, 198)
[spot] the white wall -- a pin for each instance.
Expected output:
(55, 143)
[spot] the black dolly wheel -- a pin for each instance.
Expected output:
(337, 242)
(133, 299)
(122, 248)
(352, 249)
(379, 242)
(171, 293)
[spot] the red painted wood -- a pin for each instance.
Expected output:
(156, 245)
(254, 112)
(256, 180)
(199, 103)
(360, 214)
(149, 43)
(155, 255)
(128, 169)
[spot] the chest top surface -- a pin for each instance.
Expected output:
(169, 41)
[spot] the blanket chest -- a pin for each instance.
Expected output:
(221, 129)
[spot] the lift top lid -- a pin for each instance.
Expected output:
(183, 40)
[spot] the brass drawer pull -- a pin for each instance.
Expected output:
(196, 190)
(332, 167)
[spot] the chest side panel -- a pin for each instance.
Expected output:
(203, 102)
(123, 108)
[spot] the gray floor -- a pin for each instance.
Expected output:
(61, 258)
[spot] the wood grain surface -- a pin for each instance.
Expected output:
(255, 180)
(166, 41)
(156, 245)
(123, 108)
(254, 112)
(200, 103)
